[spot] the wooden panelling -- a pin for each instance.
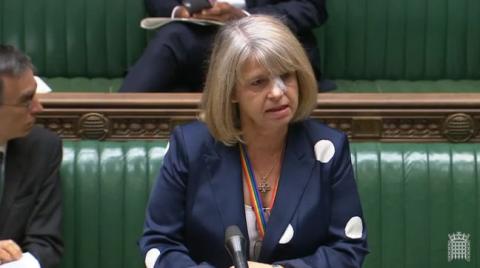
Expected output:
(417, 117)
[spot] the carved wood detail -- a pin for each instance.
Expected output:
(422, 117)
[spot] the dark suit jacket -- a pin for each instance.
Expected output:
(300, 15)
(30, 209)
(199, 193)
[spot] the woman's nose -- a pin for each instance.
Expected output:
(279, 87)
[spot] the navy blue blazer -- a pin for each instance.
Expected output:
(199, 193)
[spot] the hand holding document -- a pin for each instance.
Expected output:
(156, 22)
(200, 12)
(26, 261)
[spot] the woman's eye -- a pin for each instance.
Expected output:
(287, 76)
(258, 82)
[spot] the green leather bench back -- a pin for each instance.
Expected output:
(365, 39)
(408, 39)
(413, 196)
(75, 38)
(106, 187)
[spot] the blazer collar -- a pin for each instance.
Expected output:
(223, 165)
(295, 174)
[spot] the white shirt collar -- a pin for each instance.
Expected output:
(42, 87)
(3, 148)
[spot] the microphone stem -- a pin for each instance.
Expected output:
(239, 260)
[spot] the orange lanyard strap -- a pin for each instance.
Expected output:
(255, 198)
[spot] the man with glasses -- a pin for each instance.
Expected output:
(30, 157)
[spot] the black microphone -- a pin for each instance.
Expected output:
(235, 245)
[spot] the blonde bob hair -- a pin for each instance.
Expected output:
(273, 45)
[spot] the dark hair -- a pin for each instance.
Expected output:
(13, 62)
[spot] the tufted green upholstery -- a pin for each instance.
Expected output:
(75, 38)
(78, 84)
(415, 41)
(403, 86)
(413, 196)
(106, 186)
(408, 40)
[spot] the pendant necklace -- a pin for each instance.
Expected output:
(264, 186)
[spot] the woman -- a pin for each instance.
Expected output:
(257, 162)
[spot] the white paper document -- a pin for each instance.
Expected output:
(26, 261)
(156, 22)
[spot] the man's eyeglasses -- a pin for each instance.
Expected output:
(26, 104)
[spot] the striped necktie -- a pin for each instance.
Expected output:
(1, 174)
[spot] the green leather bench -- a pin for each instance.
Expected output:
(414, 196)
(402, 46)
(82, 45)
(367, 46)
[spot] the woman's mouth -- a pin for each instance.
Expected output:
(278, 112)
(277, 109)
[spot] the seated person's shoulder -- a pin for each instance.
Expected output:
(40, 137)
(197, 127)
(194, 137)
(320, 131)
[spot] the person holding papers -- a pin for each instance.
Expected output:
(174, 59)
(256, 161)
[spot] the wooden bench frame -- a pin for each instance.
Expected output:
(396, 117)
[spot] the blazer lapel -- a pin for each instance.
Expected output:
(295, 174)
(223, 165)
(14, 171)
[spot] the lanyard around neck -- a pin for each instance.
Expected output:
(255, 198)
